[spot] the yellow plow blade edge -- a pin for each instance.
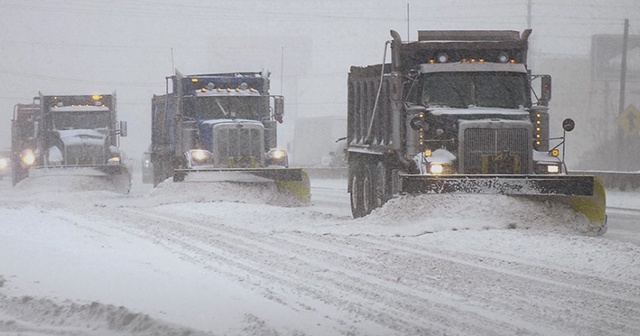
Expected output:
(300, 189)
(594, 206)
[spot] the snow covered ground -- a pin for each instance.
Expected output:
(188, 259)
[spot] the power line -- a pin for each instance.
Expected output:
(78, 80)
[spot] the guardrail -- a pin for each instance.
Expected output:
(327, 172)
(614, 179)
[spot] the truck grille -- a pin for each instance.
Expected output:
(240, 147)
(495, 151)
(84, 155)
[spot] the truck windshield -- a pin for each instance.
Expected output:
(229, 107)
(484, 89)
(81, 120)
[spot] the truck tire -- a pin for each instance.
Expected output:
(356, 185)
(368, 197)
(381, 186)
(159, 174)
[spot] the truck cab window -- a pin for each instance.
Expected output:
(219, 107)
(81, 120)
(461, 90)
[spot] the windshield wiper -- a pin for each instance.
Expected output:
(221, 108)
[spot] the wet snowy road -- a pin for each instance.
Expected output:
(252, 268)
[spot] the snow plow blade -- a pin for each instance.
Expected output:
(119, 177)
(583, 193)
(294, 181)
(113, 178)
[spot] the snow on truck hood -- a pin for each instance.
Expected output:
(475, 110)
(82, 137)
(229, 121)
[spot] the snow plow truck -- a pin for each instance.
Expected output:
(456, 111)
(70, 135)
(222, 127)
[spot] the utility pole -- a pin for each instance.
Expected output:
(623, 85)
(623, 66)
(408, 32)
(281, 70)
(529, 14)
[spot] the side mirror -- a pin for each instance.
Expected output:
(545, 90)
(278, 108)
(568, 124)
(123, 128)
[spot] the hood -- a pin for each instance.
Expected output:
(229, 121)
(78, 137)
(474, 112)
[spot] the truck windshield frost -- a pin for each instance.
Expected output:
(81, 120)
(482, 89)
(228, 107)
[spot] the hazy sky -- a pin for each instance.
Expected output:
(130, 46)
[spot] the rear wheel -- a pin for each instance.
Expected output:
(368, 198)
(381, 186)
(159, 172)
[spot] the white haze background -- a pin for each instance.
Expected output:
(81, 47)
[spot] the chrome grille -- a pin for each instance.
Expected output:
(84, 155)
(239, 147)
(496, 151)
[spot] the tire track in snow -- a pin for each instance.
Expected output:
(612, 309)
(395, 308)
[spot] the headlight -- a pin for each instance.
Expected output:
(277, 157)
(440, 168)
(277, 154)
(548, 168)
(114, 160)
(4, 163)
(199, 157)
(436, 168)
(27, 157)
(553, 169)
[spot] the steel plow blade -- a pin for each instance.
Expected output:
(294, 181)
(499, 184)
(584, 194)
(113, 178)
